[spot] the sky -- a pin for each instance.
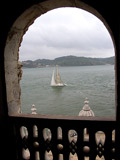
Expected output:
(63, 32)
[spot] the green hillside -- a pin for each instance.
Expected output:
(68, 61)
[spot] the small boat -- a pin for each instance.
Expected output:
(56, 81)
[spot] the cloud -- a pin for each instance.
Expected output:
(66, 31)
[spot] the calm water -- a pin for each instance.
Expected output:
(95, 82)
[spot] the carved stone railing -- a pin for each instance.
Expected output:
(40, 137)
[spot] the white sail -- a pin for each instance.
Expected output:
(53, 82)
(58, 78)
(57, 82)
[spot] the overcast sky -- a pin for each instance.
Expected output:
(66, 31)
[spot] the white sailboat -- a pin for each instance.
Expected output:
(56, 81)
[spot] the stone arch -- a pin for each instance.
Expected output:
(20, 26)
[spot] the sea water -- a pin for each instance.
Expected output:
(97, 83)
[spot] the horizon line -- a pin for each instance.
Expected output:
(66, 56)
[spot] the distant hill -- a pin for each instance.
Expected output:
(68, 61)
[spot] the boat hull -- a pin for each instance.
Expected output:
(58, 85)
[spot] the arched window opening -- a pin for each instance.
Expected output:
(81, 46)
(13, 68)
